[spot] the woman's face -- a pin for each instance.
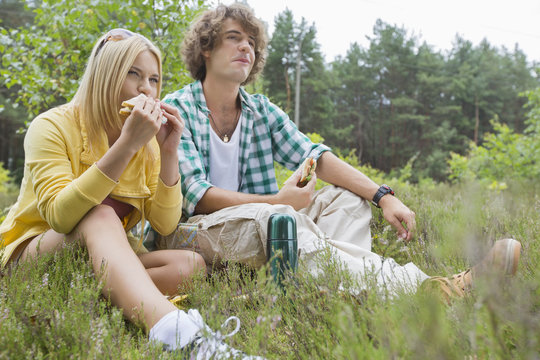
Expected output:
(142, 77)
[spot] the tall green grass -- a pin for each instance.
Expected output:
(52, 308)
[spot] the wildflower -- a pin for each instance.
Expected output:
(5, 314)
(275, 320)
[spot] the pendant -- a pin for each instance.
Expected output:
(225, 139)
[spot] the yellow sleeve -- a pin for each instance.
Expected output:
(164, 208)
(62, 199)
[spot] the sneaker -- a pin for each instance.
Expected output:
(210, 345)
(502, 259)
(180, 301)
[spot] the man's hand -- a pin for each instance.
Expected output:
(398, 215)
(290, 194)
(297, 197)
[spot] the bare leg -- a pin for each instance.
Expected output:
(46, 243)
(125, 279)
(171, 268)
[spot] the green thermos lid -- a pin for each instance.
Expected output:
(281, 227)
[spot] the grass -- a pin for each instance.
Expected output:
(53, 309)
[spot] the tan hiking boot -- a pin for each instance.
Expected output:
(502, 259)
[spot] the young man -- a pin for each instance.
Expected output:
(229, 144)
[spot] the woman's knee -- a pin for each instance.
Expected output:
(188, 263)
(101, 213)
(199, 263)
(191, 263)
(101, 218)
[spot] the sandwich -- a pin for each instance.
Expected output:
(128, 105)
(307, 168)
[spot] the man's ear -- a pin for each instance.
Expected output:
(206, 54)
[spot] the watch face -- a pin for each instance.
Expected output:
(388, 189)
(383, 190)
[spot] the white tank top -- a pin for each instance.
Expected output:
(224, 162)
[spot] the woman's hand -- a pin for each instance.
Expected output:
(139, 128)
(168, 138)
(169, 134)
(142, 124)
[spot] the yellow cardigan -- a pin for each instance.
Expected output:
(61, 183)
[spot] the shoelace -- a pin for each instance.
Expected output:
(210, 344)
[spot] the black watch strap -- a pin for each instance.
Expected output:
(383, 190)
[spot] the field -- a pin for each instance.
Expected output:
(53, 308)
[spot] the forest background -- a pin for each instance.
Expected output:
(394, 102)
(457, 134)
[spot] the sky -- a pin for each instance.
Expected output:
(342, 22)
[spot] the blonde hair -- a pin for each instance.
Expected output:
(98, 95)
(204, 35)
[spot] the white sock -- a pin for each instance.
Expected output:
(175, 330)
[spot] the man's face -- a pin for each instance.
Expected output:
(231, 60)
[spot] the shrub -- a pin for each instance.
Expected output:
(504, 154)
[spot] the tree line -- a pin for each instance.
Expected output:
(44, 46)
(396, 101)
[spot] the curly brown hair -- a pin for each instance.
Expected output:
(204, 35)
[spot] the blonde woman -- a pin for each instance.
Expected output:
(90, 176)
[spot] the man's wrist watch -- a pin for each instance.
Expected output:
(383, 190)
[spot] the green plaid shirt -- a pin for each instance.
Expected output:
(267, 135)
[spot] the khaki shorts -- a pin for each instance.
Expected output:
(238, 233)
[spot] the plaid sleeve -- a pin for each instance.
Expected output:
(191, 163)
(290, 146)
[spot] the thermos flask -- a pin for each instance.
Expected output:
(282, 246)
